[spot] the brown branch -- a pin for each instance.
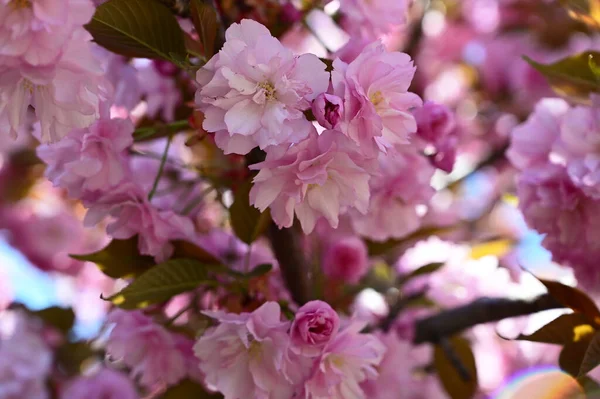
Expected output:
(481, 311)
(289, 255)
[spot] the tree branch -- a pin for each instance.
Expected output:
(288, 253)
(483, 310)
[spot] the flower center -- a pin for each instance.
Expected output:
(269, 90)
(28, 86)
(19, 4)
(376, 98)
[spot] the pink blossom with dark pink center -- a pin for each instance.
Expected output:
(102, 384)
(89, 160)
(377, 103)
(314, 325)
(254, 91)
(150, 350)
(243, 356)
(348, 360)
(320, 177)
(346, 260)
(131, 212)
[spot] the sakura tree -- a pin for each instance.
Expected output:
(322, 199)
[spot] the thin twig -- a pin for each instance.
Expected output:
(160, 168)
(454, 359)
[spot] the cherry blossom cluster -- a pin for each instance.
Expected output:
(358, 158)
(557, 150)
(46, 62)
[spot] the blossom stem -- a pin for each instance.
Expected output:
(146, 133)
(483, 310)
(288, 253)
(160, 168)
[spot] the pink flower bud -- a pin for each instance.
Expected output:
(346, 260)
(328, 110)
(434, 121)
(316, 323)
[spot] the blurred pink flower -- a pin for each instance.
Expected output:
(133, 214)
(555, 207)
(36, 31)
(403, 184)
(147, 348)
(373, 18)
(46, 240)
(436, 126)
(254, 90)
(103, 384)
(533, 141)
(314, 325)
(580, 134)
(161, 93)
(348, 360)
(65, 95)
(243, 356)
(397, 373)
(89, 160)
(377, 102)
(318, 177)
(352, 49)
(25, 359)
(346, 260)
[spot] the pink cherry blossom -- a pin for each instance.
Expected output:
(352, 49)
(254, 91)
(161, 93)
(348, 360)
(25, 359)
(377, 102)
(373, 18)
(36, 31)
(318, 177)
(346, 260)
(580, 133)
(555, 207)
(45, 239)
(89, 160)
(436, 127)
(65, 95)
(133, 214)
(314, 325)
(243, 356)
(102, 384)
(532, 141)
(146, 347)
(403, 184)
(397, 372)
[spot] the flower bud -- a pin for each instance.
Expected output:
(328, 109)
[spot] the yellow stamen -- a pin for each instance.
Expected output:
(269, 90)
(376, 98)
(19, 4)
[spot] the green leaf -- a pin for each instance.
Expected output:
(571, 356)
(120, 259)
(571, 77)
(137, 28)
(575, 299)
(591, 359)
(248, 222)
(185, 249)
(452, 381)
(560, 331)
(421, 271)
(590, 386)
(188, 389)
(166, 280)
(60, 318)
(73, 357)
(204, 18)
(259, 270)
(594, 67)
